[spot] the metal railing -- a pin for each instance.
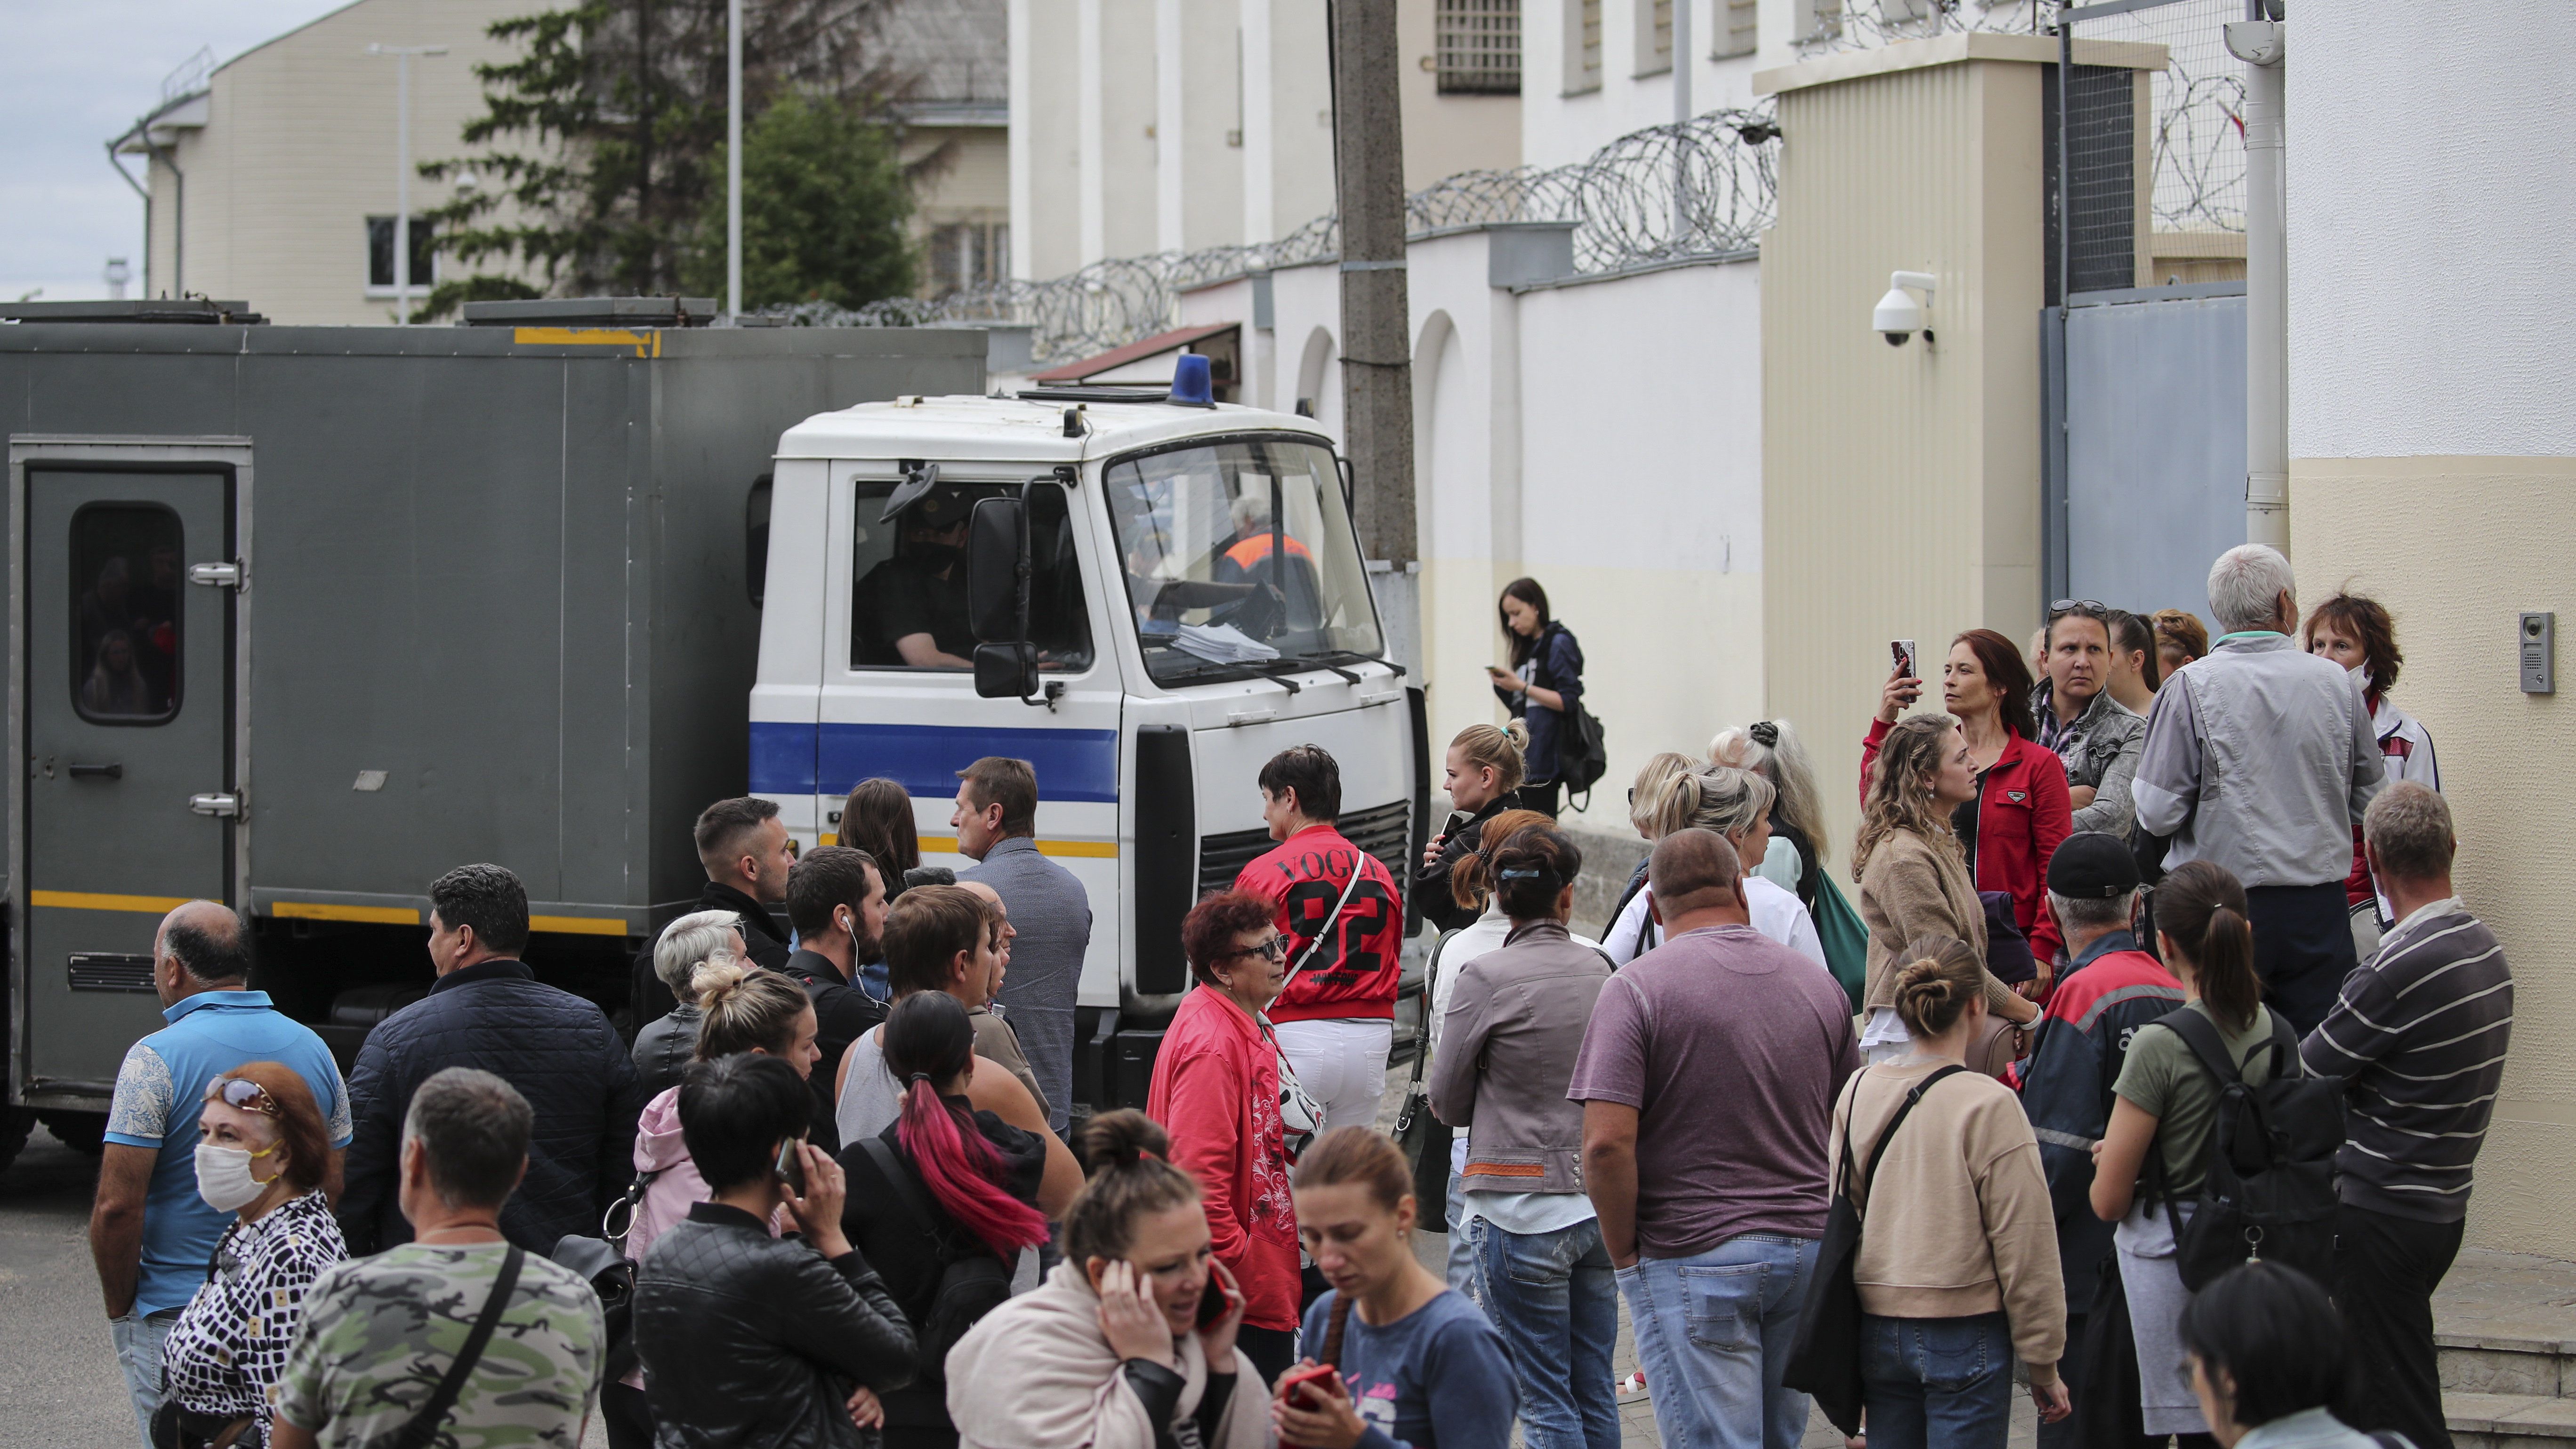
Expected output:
(1706, 187)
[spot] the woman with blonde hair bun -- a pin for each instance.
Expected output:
(1958, 1245)
(1770, 748)
(1735, 804)
(1485, 769)
(1913, 877)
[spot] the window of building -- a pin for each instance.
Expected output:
(380, 254)
(1582, 46)
(1737, 34)
(965, 254)
(1815, 20)
(911, 580)
(1654, 21)
(1478, 47)
(126, 586)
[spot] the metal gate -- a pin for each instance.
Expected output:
(2147, 411)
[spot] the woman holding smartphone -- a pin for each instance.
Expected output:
(1394, 1358)
(1541, 688)
(1130, 1342)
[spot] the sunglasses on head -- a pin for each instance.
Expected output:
(2089, 608)
(244, 1093)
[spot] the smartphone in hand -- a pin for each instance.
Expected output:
(1292, 1384)
(790, 1166)
(1902, 652)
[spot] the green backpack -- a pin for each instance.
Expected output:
(1845, 938)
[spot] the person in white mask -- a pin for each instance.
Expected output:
(262, 1153)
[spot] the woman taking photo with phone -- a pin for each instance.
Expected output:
(1394, 1358)
(2019, 811)
(1541, 688)
(1130, 1342)
(1913, 880)
(1483, 778)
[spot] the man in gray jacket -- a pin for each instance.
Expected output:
(1508, 1043)
(997, 826)
(2261, 758)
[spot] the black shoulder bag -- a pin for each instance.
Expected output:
(2267, 1187)
(1422, 1137)
(1824, 1358)
(972, 1283)
(421, 1430)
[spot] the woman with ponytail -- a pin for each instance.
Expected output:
(2165, 1102)
(1958, 1246)
(976, 1175)
(1112, 1350)
(1484, 773)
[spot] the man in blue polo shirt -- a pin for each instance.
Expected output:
(149, 1231)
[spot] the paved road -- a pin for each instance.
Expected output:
(61, 1386)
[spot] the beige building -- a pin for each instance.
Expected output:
(958, 111)
(1143, 126)
(273, 183)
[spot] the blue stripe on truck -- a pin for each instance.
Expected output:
(805, 759)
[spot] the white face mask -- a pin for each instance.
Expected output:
(223, 1176)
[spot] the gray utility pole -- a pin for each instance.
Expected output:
(1377, 347)
(402, 55)
(733, 158)
(2258, 43)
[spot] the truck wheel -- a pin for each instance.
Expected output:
(82, 1132)
(15, 1124)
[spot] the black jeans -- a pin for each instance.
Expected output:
(2302, 950)
(1273, 1351)
(2385, 1270)
(1541, 797)
(628, 1419)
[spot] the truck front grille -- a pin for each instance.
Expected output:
(1384, 831)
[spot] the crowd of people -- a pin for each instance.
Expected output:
(1983, 1119)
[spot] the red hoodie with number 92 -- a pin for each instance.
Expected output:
(1353, 974)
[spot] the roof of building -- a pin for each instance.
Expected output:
(1176, 340)
(956, 51)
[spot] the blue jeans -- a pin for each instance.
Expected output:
(1713, 1333)
(138, 1352)
(1937, 1383)
(1553, 1298)
(1462, 1252)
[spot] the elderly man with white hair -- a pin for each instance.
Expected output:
(2261, 758)
(665, 1046)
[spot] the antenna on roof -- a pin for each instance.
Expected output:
(191, 74)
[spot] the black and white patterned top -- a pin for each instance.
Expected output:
(226, 1351)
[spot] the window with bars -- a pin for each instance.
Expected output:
(966, 254)
(1478, 47)
(1738, 33)
(1582, 46)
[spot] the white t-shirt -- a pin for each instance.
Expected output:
(1777, 914)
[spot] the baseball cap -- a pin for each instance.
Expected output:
(2092, 866)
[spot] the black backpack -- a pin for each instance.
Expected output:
(973, 1281)
(2268, 1193)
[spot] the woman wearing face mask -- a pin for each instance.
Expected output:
(1413, 1363)
(1483, 772)
(1113, 1351)
(261, 1154)
(745, 1009)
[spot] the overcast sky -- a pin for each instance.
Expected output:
(73, 74)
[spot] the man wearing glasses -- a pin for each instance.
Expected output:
(150, 1233)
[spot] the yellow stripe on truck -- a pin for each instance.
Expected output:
(319, 911)
(579, 925)
(1088, 849)
(646, 344)
(96, 901)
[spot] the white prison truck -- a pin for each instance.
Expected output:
(1144, 598)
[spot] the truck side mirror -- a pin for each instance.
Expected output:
(994, 540)
(1006, 671)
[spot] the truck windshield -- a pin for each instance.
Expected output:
(1239, 553)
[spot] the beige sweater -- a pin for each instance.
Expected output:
(1959, 1221)
(1917, 887)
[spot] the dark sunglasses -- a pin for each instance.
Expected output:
(243, 1093)
(2089, 608)
(1275, 949)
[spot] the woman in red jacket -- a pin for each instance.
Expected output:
(1216, 1091)
(2021, 812)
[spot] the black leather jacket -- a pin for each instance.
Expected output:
(753, 1342)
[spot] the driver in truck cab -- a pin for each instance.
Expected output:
(912, 607)
(1343, 925)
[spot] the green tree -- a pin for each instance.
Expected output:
(601, 140)
(824, 201)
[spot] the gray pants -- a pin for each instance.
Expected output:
(138, 1352)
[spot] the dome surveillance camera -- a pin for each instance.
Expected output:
(1898, 315)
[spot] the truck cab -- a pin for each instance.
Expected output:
(1145, 599)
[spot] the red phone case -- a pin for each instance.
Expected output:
(1297, 1378)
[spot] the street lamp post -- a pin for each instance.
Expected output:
(402, 55)
(733, 158)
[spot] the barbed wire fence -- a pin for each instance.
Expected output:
(2199, 96)
(1706, 187)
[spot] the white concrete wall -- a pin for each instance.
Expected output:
(1559, 125)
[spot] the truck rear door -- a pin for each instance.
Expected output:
(127, 558)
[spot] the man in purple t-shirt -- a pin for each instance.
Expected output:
(1707, 1079)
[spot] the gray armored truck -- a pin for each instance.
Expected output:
(300, 617)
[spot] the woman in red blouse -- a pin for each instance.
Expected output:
(2021, 812)
(1216, 1091)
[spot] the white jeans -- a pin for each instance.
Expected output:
(1342, 1065)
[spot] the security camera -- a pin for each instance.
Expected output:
(1899, 315)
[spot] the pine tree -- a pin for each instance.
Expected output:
(603, 139)
(824, 202)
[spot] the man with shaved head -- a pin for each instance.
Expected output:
(149, 1231)
(1718, 1014)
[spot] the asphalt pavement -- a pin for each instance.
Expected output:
(61, 1386)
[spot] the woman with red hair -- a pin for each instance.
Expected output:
(1218, 1091)
(945, 1184)
(2022, 811)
